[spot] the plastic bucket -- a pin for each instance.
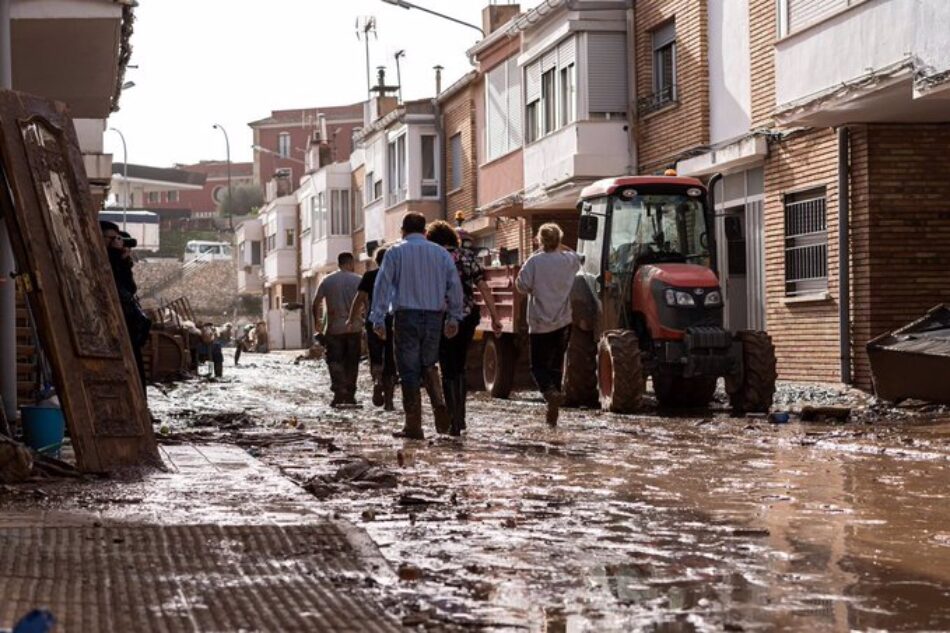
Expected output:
(43, 429)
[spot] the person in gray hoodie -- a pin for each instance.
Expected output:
(547, 278)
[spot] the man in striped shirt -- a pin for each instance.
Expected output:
(418, 282)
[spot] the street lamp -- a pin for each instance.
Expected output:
(227, 147)
(408, 5)
(125, 175)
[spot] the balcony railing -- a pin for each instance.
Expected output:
(657, 100)
(395, 197)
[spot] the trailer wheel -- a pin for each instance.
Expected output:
(580, 370)
(674, 391)
(498, 365)
(619, 372)
(754, 389)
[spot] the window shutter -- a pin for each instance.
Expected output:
(566, 52)
(456, 147)
(665, 35)
(497, 107)
(549, 60)
(801, 13)
(514, 104)
(607, 79)
(532, 82)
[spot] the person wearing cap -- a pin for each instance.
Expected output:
(453, 352)
(118, 247)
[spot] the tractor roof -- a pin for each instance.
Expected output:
(608, 186)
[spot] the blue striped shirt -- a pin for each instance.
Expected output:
(417, 275)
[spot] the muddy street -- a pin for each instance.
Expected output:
(609, 523)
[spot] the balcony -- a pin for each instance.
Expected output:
(559, 163)
(827, 73)
(395, 197)
(280, 266)
(249, 280)
(323, 252)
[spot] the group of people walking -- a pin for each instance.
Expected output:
(419, 313)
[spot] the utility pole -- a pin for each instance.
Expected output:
(125, 176)
(7, 263)
(227, 149)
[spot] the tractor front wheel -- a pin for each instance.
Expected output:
(753, 390)
(580, 369)
(498, 365)
(619, 372)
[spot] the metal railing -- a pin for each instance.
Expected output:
(806, 246)
(657, 100)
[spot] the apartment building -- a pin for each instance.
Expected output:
(205, 203)
(280, 273)
(249, 241)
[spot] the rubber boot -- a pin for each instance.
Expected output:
(389, 387)
(336, 383)
(449, 388)
(462, 390)
(433, 383)
(376, 371)
(555, 399)
(412, 405)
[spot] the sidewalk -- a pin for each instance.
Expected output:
(218, 543)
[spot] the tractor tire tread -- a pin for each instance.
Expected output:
(756, 390)
(580, 370)
(628, 384)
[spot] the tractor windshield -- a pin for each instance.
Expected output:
(654, 228)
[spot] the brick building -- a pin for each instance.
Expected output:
(204, 203)
(281, 141)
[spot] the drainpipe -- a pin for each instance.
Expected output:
(7, 264)
(711, 223)
(634, 158)
(440, 143)
(844, 251)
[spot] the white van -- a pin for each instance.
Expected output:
(207, 251)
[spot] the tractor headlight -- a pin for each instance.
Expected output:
(714, 298)
(679, 298)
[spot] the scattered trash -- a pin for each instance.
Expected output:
(778, 417)
(822, 414)
(409, 572)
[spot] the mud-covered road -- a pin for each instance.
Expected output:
(611, 523)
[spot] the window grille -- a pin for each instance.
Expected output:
(806, 243)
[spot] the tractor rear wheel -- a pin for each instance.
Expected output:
(752, 392)
(619, 372)
(580, 370)
(673, 390)
(498, 365)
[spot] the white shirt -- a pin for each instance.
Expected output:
(547, 279)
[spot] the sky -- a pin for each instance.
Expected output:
(201, 62)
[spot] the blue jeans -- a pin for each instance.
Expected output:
(417, 334)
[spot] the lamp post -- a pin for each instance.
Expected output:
(125, 175)
(227, 148)
(8, 387)
(408, 5)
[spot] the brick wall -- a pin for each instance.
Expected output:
(762, 34)
(459, 118)
(906, 267)
(806, 334)
(666, 134)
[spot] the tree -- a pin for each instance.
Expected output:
(244, 199)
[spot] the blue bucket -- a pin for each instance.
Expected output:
(43, 429)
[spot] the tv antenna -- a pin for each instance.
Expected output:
(364, 26)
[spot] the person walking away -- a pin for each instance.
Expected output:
(337, 291)
(547, 278)
(119, 248)
(382, 362)
(418, 283)
(453, 352)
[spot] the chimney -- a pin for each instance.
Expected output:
(383, 102)
(495, 15)
(322, 126)
(438, 80)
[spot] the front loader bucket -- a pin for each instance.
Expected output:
(914, 360)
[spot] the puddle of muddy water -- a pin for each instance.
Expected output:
(618, 523)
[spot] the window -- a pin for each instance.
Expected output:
(339, 212)
(397, 170)
(532, 130)
(289, 237)
(283, 144)
(378, 189)
(548, 104)
(568, 98)
(173, 196)
(255, 253)
(806, 243)
(319, 222)
(664, 64)
(154, 196)
(503, 108)
(357, 208)
(455, 168)
(430, 182)
(368, 190)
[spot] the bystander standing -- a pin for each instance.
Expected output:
(337, 291)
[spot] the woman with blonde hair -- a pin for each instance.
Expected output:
(547, 278)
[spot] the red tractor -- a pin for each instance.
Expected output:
(647, 303)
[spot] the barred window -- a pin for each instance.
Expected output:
(806, 243)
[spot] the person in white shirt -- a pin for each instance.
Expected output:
(547, 278)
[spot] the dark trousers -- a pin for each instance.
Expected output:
(453, 351)
(547, 357)
(417, 334)
(381, 352)
(343, 361)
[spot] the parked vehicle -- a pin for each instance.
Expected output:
(646, 303)
(207, 251)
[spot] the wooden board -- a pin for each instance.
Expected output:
(65, 272)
